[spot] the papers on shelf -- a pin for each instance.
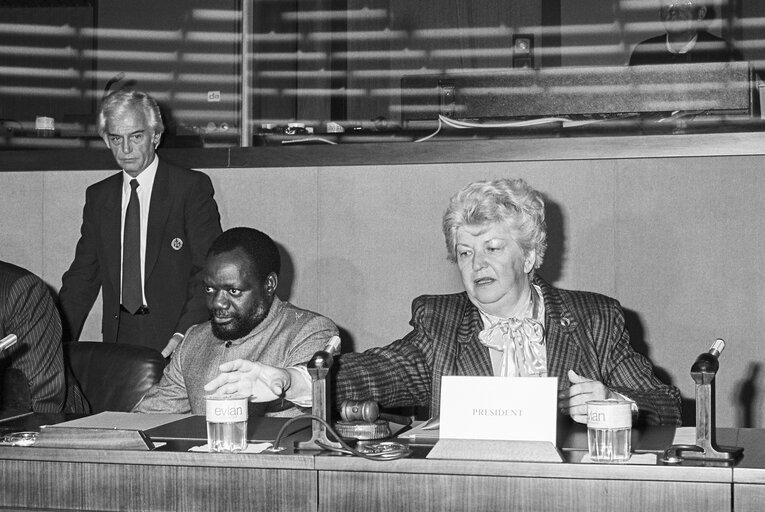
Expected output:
(421, 431)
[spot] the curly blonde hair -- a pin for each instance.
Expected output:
(504, 200)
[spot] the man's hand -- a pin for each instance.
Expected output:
(574, 400)
(170, 347)
(260, 382)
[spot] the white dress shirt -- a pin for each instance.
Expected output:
(686, 47)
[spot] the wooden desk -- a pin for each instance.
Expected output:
(78, 479)
(749, 474)
(69, 479)
(445, 485)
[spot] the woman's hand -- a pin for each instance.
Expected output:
(574, 400)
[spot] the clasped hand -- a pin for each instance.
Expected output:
(574, 400)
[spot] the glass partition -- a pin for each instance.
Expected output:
(283, 72)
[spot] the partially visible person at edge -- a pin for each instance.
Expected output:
(508, 321)
(247, 321)
(686, 40)
(145, 232)
(34, 375)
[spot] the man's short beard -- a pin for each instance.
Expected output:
(240, 327)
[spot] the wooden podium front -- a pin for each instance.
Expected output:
(441, 485)
(172, 478)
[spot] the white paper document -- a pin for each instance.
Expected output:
(685, 435)
(123, 420)
(501, 408)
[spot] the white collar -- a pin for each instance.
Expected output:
(146, 177)
(685, 49)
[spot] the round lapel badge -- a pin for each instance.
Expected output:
(176, 244)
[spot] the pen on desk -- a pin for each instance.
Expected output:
(432, 424)
(11, 418)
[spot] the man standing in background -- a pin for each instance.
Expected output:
(145, 233)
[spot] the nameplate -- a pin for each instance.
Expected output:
(51, 436)
(499, 408)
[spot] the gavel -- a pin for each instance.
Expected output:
(368, 411)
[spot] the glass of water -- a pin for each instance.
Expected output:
(609, 430)
(226, 423)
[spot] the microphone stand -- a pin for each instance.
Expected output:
(318, 369)
(703, 373)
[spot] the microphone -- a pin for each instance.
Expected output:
(717, 347)
(703, 373)
(708, 362)
(333, 345)
(323, 358)
(8, 341)
(318, 368)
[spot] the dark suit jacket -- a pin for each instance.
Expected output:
(182, 209)
(584, 332)
(709, 48)
(33, 371)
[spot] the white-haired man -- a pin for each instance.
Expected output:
(145, 233)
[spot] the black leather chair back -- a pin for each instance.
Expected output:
(113, 376)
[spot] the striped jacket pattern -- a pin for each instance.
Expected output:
(34, 367)
(584, 331)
